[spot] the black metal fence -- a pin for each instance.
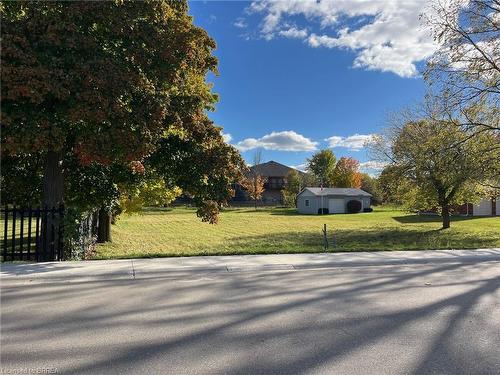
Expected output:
(32, 234)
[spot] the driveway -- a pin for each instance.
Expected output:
(433, 312)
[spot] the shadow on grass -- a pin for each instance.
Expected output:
(156, 211)
(192, 210)
(366, 240)
(294, 212)
(245, 210)
(416, 219)
(313, 242)
(287, 212)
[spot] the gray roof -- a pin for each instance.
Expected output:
(351, 192)
(273, 169)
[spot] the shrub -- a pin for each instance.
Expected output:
(353, 206)
(80, 234)
(289, 198)
(323, 211)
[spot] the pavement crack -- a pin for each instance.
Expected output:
(133, 269)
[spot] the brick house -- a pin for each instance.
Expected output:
(275, 174)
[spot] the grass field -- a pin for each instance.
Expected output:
(178, 231)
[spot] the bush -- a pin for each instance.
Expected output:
(368, 209)
(289, 198)
(80, 234)
(353, 206)
(323, 211)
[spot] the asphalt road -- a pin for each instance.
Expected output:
(415, 314)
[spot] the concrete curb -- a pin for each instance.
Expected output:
(142, 269)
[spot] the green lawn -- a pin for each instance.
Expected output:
(175, 232)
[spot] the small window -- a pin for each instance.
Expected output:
(307, 202)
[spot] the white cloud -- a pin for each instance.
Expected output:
(390, 38)
(227, 137)
(301, 167)
(294, 33)
(372, 165)
(240, 23)
(354, 142)
(279, 141)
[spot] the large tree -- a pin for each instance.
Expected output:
(467, 60)
(435, 164)
(371, 185)
(103, 85)
(201, 163)
(346, 173)
(322, 166)
(392, 186)
(295, 182)
(464, 72)
(93, 78)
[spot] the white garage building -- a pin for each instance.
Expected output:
(486, 207)
(311, 199)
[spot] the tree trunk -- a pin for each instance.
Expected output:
(53, 181)
(445, 213)
(104, 228)
(53, 194)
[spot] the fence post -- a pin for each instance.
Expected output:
(325, 238)
(30, 217)
(60, 234)
(12, 252)
(6, 228)
(37, 234)
(44, 235)
(52, 234)
(21, 234)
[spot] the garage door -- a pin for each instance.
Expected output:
(336, 206)
(483, 208)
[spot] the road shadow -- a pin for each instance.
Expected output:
(28, 268)
(272, 323)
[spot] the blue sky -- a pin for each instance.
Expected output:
(297, 77)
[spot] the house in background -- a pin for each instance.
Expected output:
(275, 175)
(311, 200)
(489, 206)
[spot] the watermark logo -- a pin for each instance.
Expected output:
(29, 370)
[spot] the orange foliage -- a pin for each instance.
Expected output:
(254, 185)
(347, 173)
